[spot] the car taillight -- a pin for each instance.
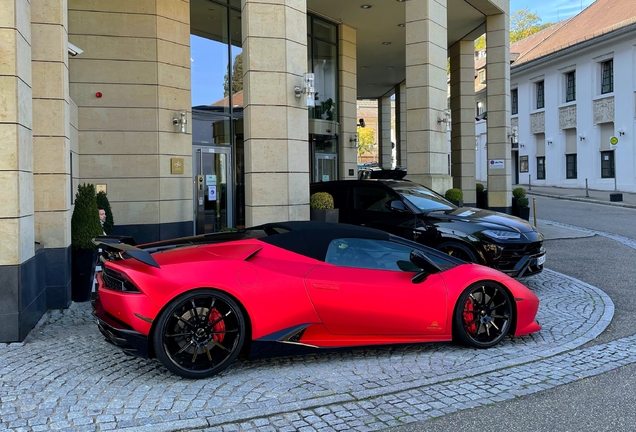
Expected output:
(118, 281)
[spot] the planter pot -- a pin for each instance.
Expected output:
(615, 197)
(83, 262)
(324, 215)
(459, 203)
(524, 213)
(482, 200)
(515, 208)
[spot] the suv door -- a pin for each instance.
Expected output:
(371, 206)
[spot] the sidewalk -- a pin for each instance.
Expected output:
(593, 196)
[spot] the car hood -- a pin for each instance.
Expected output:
(489, 219)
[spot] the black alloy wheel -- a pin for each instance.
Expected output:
(458, 250)
(483, 315)
(199, 333)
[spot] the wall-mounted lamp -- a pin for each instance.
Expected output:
(581, 137)
(180, 120)
(621, 131)
(549, 141)
(353, 140)
(446, 120)
(514, 135)
(362, 123)
(522, 145)
(307, 89)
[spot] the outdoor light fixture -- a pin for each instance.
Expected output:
(581, 137)
(446, 120)
(308, 89)
(621, 131)
(180, 120)
(354, 139)
(549, 141)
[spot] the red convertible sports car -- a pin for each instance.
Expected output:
(196, 303)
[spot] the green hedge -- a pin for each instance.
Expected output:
(85, 219)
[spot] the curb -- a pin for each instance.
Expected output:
(588, 200)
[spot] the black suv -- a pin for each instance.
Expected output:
(415, 212)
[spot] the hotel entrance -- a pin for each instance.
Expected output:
(213, 200)
(323, 142)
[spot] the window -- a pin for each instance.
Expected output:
(570, 87)
(570, 166)
(541, 168)
(540, 95)
(370, 254)
(514, 99)
(482, 76)
(480, 108)
(607, 84)
(372, 199)
(607, 164)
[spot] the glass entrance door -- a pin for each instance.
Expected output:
(213, 191)
(325, 167)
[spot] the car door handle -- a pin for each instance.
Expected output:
(325, 286)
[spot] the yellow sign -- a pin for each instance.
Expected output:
(176, 165)
(613, 140)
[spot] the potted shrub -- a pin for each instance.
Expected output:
(456, 196)
(103, 203)
(322, 207)
(523, 209)
(516, 194)
(84, 227)
(482, 196)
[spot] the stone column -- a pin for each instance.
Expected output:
(462, 65)
(137, 56)
(426, 93)
(51, 145)
(498, 103)
(348, 153)
(18, 275)
(384, 122)
(276, 122)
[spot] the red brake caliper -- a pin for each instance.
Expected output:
(218, 327)
(469, 316)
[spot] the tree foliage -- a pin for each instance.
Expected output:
(85, 219)
(366, 140)
(237, 77)
(523, 23)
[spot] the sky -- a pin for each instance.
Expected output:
(551, 10)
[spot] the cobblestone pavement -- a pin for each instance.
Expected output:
(66, 377)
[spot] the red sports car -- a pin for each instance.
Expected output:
(196, 303)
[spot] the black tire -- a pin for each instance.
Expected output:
(199, 333)
(483, 315)
(458, 250)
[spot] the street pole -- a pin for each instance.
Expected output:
(529, 182)
(587, 192)
(534, 211)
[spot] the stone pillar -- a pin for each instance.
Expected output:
(384, 122)
(348, 153)
(426, 93)
(462, 65)
(276, 122)
(19, 288)
(137, 55)
(498, 103)
(51, 145)
(400, 124)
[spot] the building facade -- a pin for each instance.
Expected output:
(196, 115)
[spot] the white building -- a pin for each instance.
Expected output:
(573, 95)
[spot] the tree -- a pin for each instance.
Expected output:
(237, 77)
(523, 23)
(366, 140)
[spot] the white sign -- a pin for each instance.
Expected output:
(496, 163)
(210, 179)
(211, 193)
(325, 177)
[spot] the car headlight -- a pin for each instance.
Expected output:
(502, 235)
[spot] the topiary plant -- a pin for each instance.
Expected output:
(454, 194)
(522, 202)
(321, 200)
(102, 202)
(519, 192)
(85, 219)
(479, 187)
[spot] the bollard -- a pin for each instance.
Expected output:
(529, 182)
(534, 211)
(587, 193)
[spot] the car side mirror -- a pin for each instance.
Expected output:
(396, 205)
(422, 261)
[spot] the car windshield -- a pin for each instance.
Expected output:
(424, 199)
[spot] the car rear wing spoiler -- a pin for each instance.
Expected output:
(118, 245)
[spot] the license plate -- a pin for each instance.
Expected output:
(541, 260)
